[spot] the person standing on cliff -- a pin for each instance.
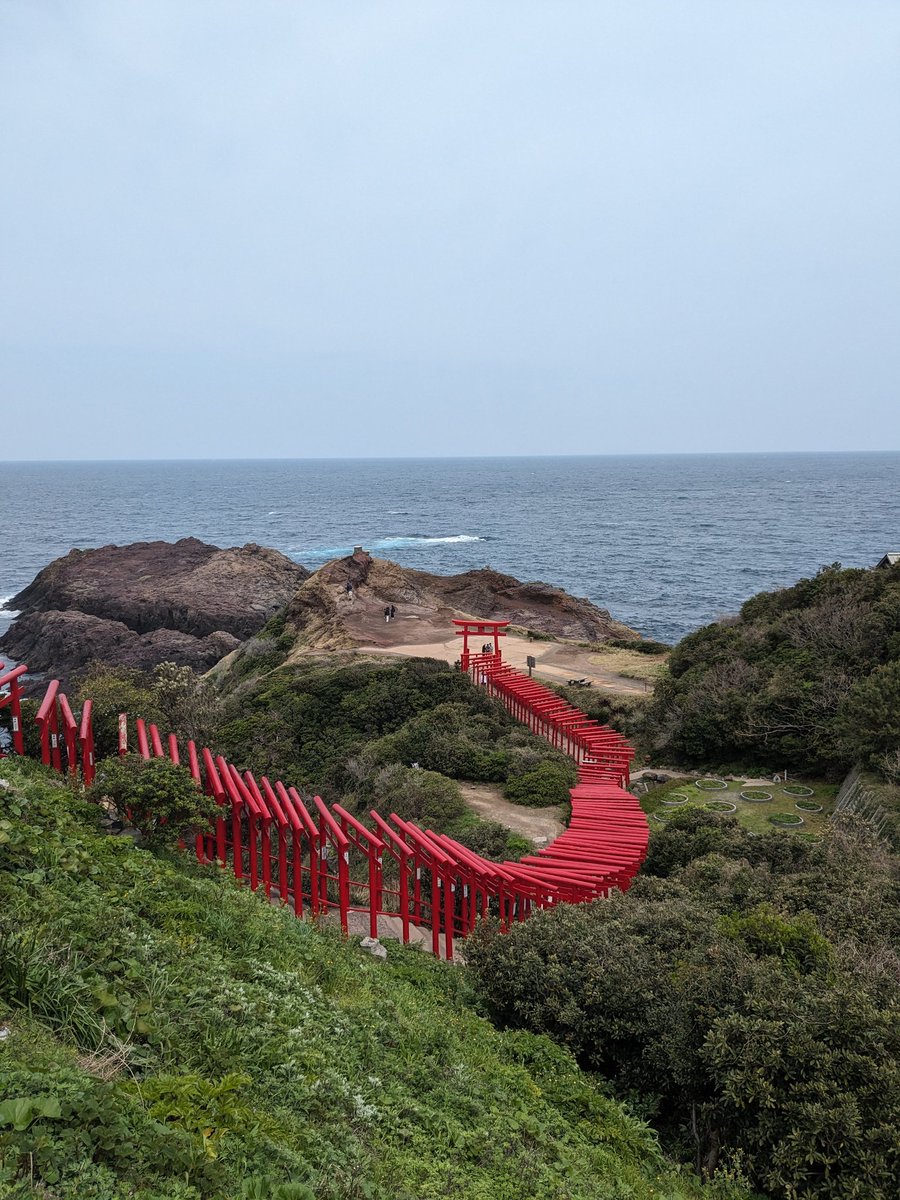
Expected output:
(393, 611)
(348, 588)
(387, 613)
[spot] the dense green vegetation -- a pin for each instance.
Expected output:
(807, 678)
(743, 997)
(306, 722)
(168, 1036)
(351, 729)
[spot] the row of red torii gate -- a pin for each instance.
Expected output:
(386, 876)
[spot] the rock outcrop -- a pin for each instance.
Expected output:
(192, 604)
(185, 602)
(326, 616)
(64, 642)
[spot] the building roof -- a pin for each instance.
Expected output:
(890, 560)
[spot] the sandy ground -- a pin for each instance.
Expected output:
(539, 824)
(557, 662)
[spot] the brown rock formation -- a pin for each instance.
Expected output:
(327, 617)
(186, 585)
(62, 643)
(185, 602)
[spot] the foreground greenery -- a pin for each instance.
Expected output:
(744, 997)
(168, 1036)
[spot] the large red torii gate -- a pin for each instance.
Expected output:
(495, 630)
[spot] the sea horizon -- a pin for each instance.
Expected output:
(665, 542)
(613, 454)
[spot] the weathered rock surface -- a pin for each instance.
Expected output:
(326, 616)
(186, 585)
(64, 642)
(185, 602)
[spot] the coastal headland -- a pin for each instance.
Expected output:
(196, 604)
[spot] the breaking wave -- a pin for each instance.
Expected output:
(388, 543)
(391, 543)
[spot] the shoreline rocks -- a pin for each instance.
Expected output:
(186, 602)
(191, 603)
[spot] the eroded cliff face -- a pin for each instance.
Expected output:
(186, 602)
(326, 616)
(62, 643)
(186, 585)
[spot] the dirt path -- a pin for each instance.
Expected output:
(557, 662)
(538, 824)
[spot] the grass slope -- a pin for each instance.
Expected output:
(168, 1035)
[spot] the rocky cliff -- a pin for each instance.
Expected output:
(186, 602)
(326, 616)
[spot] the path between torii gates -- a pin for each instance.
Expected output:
(557, 662)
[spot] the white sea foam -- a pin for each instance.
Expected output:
(396, 542)
(7, 612)
(388, 543)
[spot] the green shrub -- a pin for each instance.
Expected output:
(425, 797)
(116, 690)
(644, 646)
(805, 678)
(741, 1034)
(546, 784)
(492, 840)
(160, 797)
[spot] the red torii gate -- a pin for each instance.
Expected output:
(494, 630)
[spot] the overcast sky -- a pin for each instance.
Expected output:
(284, 228)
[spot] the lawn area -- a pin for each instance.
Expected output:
(630, 664)
(752, 813)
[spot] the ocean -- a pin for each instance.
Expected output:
(666, 542)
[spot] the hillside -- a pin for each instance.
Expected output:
(167, 1036)
(805, 678)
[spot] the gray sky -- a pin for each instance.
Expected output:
(298, 229)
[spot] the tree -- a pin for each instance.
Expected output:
(869, 722)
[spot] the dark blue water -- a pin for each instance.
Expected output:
(667, 543)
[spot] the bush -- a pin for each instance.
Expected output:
(424, 797)
(547, 784)
(738, 1033)
(645, 646)
(492, 840)
(160, 798)
(807, 678)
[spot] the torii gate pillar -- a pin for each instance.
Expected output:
(494, 630)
